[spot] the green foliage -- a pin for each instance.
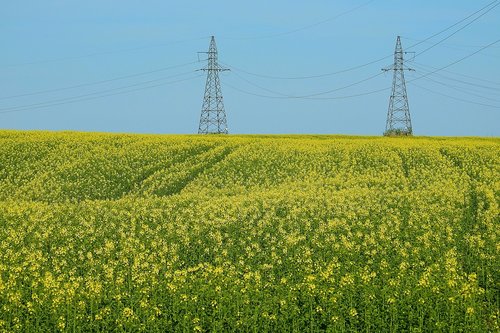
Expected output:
(398, 132)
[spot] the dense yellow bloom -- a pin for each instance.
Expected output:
(102, 232)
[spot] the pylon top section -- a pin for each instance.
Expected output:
(398, 52)
(212, 58)
(399, 61)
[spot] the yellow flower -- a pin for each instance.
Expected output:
(127, 312)
(61, 323)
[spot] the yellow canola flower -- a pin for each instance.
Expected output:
(187, 233)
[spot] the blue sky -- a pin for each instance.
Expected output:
(50, 45)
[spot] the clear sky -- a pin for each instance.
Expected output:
(60, 52)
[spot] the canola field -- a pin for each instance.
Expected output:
(152, 233)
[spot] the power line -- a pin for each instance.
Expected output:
(98, 82)
(451, 26)
(463, 75)
(101, 96)
(449, 65)
(312, 94)
(104, 53)
(455, 98)
(307, 98)
(284, 96)
(470, 84)
(35, 105)
(462, 28)
(83, 97)
(457, 61)
(370, 62)
(304, 27)
(461, 89)
(342, 88)
(309, 76)
(187, 40)
(260, 87)
(104, 93)
(455, 45)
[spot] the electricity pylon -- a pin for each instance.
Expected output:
(213, 116)
(398, 114)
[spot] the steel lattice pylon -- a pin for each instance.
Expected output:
(213, 116)
(398, 114)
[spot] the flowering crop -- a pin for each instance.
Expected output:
(102, 232)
